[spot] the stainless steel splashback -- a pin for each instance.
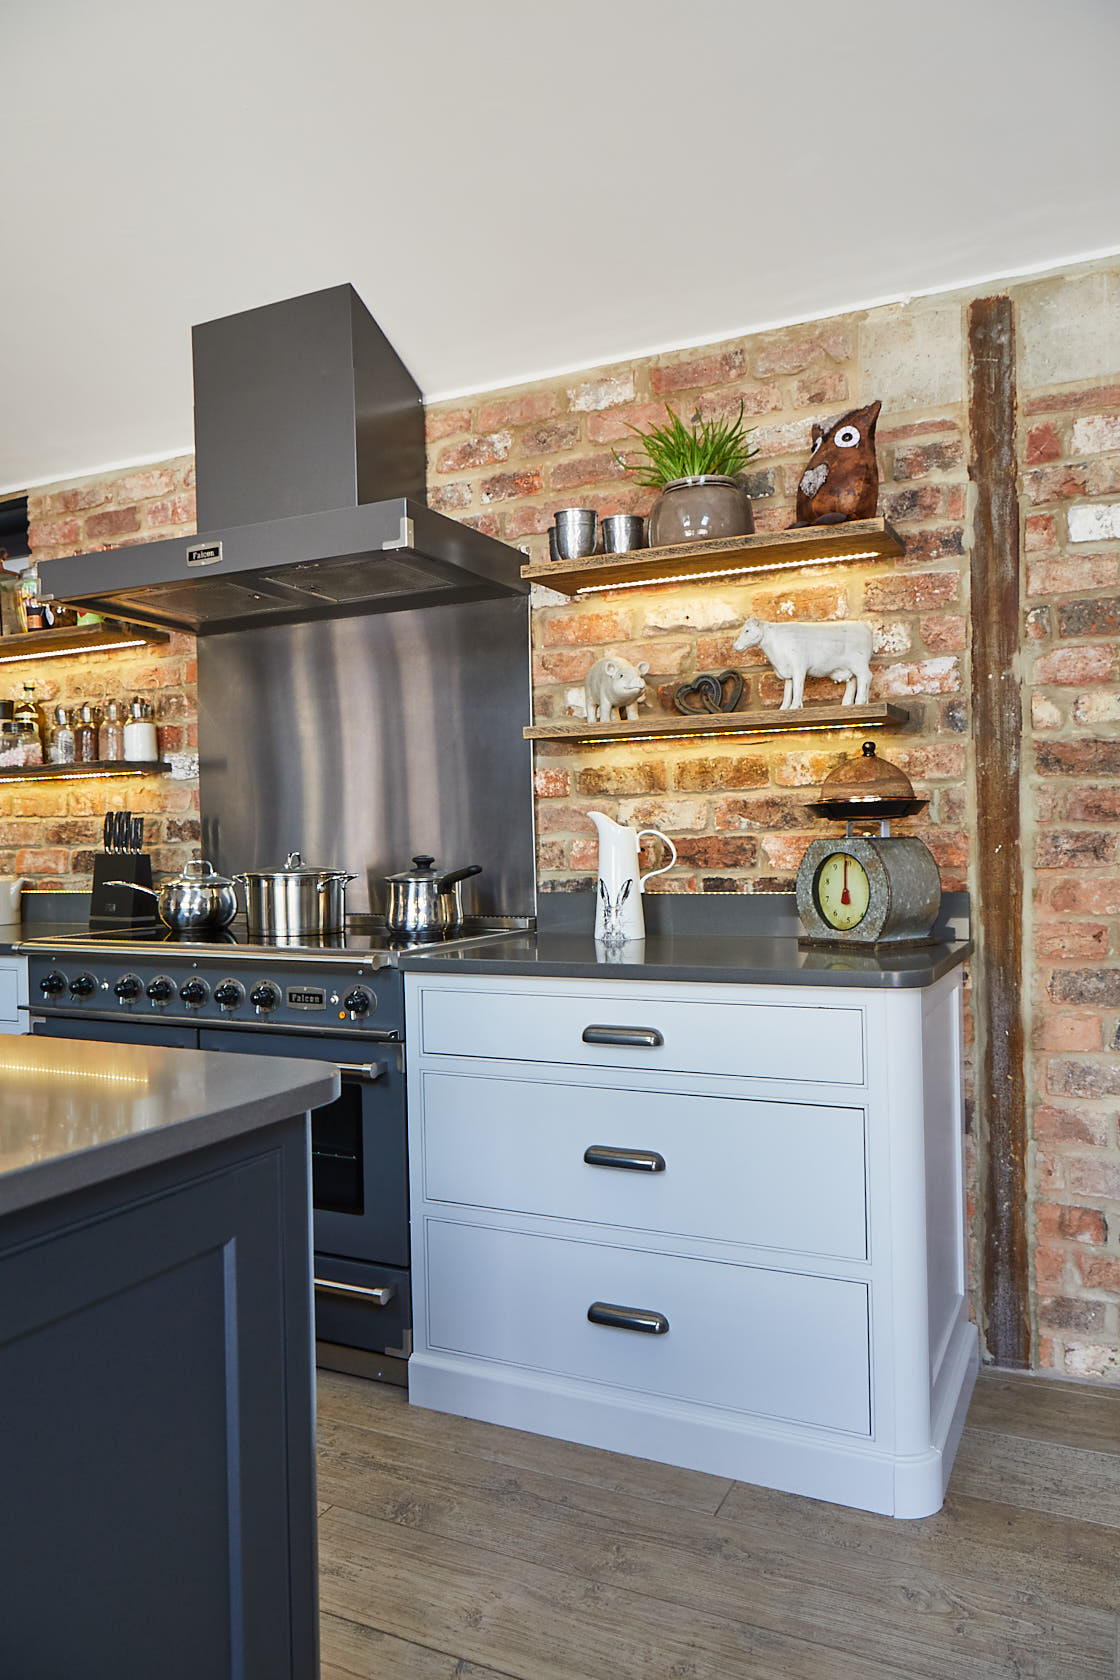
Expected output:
(363, 741)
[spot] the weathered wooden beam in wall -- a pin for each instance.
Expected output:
(997, 729)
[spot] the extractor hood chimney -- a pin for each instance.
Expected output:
(310, 475)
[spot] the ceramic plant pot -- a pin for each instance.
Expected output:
(696, 509)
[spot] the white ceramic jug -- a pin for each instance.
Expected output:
(11, 889)
(618, 897)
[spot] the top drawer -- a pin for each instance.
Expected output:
(805, 1042)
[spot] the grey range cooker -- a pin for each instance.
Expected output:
(338, 999)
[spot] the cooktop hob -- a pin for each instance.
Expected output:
(373, 945)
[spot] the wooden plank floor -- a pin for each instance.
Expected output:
(455, 1550)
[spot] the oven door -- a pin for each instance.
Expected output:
(359, 1143)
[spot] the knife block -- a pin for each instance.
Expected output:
(119, 907)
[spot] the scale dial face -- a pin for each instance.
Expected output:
(842, 891)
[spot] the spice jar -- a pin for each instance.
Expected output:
(60, 747)
(140, 733)
(110, 737)
(85, 737)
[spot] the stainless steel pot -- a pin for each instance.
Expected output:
(424, 904)
(295, 901)
(197, 901)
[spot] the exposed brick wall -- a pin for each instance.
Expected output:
(737, 808)
(1070, 452)
(50, 830)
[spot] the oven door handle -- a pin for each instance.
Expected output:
(362, 1070)
(379, 1297)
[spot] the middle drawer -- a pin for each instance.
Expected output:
(735, 1169)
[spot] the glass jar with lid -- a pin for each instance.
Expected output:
(110, 736)
(60, 743)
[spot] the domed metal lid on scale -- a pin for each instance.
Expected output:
(867, 789)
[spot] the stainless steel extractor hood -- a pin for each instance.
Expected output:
(310, 469)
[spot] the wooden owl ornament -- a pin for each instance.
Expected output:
(841, 481)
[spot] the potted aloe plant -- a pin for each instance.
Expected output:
(695, 467)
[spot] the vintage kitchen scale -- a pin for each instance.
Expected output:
(868, 889)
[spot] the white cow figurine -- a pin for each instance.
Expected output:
(614, 683)
(841, 652)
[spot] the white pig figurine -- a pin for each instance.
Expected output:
(614, 684)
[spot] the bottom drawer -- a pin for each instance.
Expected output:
(782, 1344)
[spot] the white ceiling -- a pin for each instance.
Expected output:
(513, 188)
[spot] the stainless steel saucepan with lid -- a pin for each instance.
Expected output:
(423, 903)
(295, 901)
(197, 901)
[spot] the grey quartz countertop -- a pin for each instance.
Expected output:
(715, 958)
(74, 1114)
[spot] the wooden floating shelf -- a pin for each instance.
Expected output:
(769, 551)
(52, 644)
(883, 714)
(99, 770)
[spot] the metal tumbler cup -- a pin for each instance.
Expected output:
(623, 532)
(577, 533)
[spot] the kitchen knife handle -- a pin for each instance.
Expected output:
(628, 1318)
(107, 832)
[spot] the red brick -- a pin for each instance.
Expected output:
(609, 781)
(563, 819)
(818, 388)
(487, 523)
(927, 676)
(608, 392)
(699, 373)
(546, 440)
(450, 498)
(1075, 667)
(718, 851)
(1040, 534)
(1070, 941)
(792, 355)
(699, 775)
(1073, 1224)
(762, 813)
(589, 469)
(1090, 618)
(578, 629)
(916, 428)
(944, 633)
(805, 769)
(518, 411)
(756, 399)
(446, 422)
(1076, 848)
(812, 602)
(503, 487)
(1100, 1271)
(1066, 1313)
(785, 851)
(1087, 898)
(476, 452)
(1078, 758)
(903, 590)
(922, 501)
(1055, 484)
(1095, 1176)
(564, 666)
(936, 544)
(550, 854)
(615, 425)
(115, 522)
(525, 522)
(1050, 1269)
(55, 533)
(1075, 573)
(920, 459)
(1091, 1080)
(138, 486)
(1095, 986)
(1103, 476)
(550, 783)
(1043, 444)
(1061, 1031)
(174, 510)
(1060, 402)
(40, 861)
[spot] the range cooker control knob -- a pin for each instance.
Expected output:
(129, 986)
(83, 985)
(53, 983)
(229, 994)
(265, 995)
(194, 992)
(161, 989)
(358, 1002)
